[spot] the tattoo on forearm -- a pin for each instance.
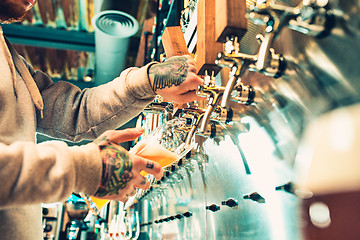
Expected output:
(171, 72)
(150, 165)
(116, 170)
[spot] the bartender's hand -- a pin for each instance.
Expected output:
(121, 169)
(175, 79)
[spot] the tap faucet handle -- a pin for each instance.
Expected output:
(214, 94)
(271, 8)
(311, 17)
(315, 18)
(209, 80)
(232, 45)
(244, 94)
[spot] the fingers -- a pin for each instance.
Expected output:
(192, 66)
(143, 164)
(133, 192)
(119, 136)
(142, 182)
(129, 134)
(126, 197)
(191, 82)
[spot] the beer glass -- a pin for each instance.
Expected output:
(166, 144)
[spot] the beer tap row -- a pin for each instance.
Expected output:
(311, 17)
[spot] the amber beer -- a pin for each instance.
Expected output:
(94, 204)
(152, 150)
(99, 202)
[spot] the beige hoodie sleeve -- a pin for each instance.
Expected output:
(74, 114)
(46, 172)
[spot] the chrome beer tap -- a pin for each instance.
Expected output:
(195, 115)
(214, 94)
(239, 63)
(315, 18)
(311, 17)
(265, 61)
(200, 117)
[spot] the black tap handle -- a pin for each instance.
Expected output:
(187, 214)
(213, 207)
(230, 203)
(287, 187)
(255, 197)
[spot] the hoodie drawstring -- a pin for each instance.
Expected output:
(8, 58)
(25, 74)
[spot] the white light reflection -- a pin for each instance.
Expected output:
(320, 215)
(342, 130)
(267, 172)
(303, 161)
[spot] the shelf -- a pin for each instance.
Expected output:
(39, 36)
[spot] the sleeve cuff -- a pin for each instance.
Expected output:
(88, 168)
(138, 82)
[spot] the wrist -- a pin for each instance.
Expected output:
(116, 170)
(151, 75)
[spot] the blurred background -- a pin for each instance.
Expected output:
(58, 37)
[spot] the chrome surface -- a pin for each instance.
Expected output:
(236, 183)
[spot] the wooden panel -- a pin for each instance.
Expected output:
(207, 48)
(230, 19)
(147, 27)
(174, 42)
